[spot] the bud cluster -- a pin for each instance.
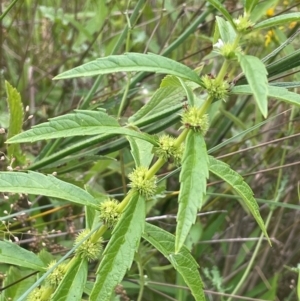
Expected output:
(228, 50)
(243, 23)
(140, 182)
(194, 118)
(168, 149)
(216, 89)
(57, 274)
(109, 214)
(89, 249)
(40, 294)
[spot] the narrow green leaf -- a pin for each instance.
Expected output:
(222, 10)
(238, 136)
(188, 91)
(249, 5)
(16, 116)
(141, 151)
(119, 252)
(256, 74)
(72, 285)
(274, 92)
(260, 9)
(183, 261)
(170, 81)
(12, 276)
(286, 85)
(223, 171)
(278, 20)
(13, 254)
(164, 102)
(284, 42)
(90, 216)
(226, 30)
(132, 62)
(193, 175)
(79, 123)
(45, 256)
(37, 183)
(284, 64)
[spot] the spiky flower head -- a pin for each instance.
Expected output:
(228, 50)
(89, 249)
(57, 274)
(243, 23)
(109, 214)
(194, 118)
(215, 88)
(168, 149)
(40, 294)
(140, 182)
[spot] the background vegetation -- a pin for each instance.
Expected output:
(40, 39)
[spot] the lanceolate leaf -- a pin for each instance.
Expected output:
(119, 252)
(278, 20)
(260, 9)
(72, 285)
(16, 116)
(132, 62)
(164, 102)
(183, 261)
(223, 171)
(170, 81)
(256, 74)
(141, 151)
(13, 254)
(285, 63)
(37, 183)
(188, 91)
(274, 92)
(226, 30)
(286, 85)
(249, 5)
(13, 275)
(219, 6)
(193, 175)
(79, 123)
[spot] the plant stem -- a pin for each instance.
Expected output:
(155, 168)
(98, 234)
(222, 71)
(8, 9)
(180, 139)
(160, 162)
(253, 257)
(206, 106)
(141, 274)
(125, 201)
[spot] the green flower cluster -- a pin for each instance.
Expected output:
(140, 182)
(57, 274)
(40, 294)
(168, 149)
(194, 118)
(243, 23)
(215, 89)
(89, 249)
(228, 50)
(109, 214)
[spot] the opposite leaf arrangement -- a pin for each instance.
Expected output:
(66, 279)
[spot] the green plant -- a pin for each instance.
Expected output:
(240, 74)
